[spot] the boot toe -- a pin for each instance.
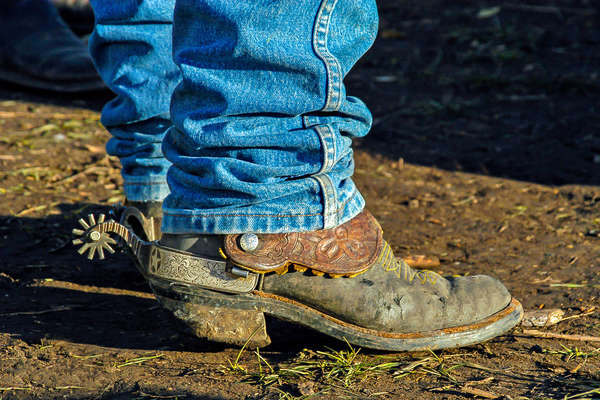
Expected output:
(477, 298)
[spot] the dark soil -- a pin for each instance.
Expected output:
(485, 153)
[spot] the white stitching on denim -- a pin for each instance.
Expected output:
(330, 209)
(309, 121)
(327, 136)
(333, 102)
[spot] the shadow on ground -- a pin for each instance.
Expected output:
(509, 91)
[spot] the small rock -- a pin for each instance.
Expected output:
(307, 388)
(542, 318)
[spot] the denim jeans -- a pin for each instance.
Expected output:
(131, 47)
(259, 131)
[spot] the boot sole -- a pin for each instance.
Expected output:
(203, 310)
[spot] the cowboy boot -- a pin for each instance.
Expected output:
(77, 14)
(344, 282)
(38, 50)
(143, 218)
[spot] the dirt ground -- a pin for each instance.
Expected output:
(485, 153)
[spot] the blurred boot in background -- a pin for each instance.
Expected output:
(38, 50)
(77, 14)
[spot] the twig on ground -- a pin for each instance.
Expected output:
(86, 171)
(68, 387)
(36, 208)
(484, 381)
(139, 360)
(27, 114)
(467, 389)
(479, 392)
(518, 376)
(577, 316)
(576, 396)
(51, 310)
(6, 389)
(552, 335)
(9, 157)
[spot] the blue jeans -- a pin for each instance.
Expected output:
(259, 131)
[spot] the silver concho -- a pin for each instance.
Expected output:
(249, 242)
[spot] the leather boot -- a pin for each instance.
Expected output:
(344, 282)
(38, 50)
(143, 218)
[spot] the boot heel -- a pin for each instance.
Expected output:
(222, 324)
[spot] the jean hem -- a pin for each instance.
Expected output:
(179, 222)
(146, 191)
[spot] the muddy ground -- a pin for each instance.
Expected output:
(485, 153)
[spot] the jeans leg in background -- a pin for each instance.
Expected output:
(132, 49)
(262, 124)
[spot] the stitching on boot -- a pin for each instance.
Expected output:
(402, 270)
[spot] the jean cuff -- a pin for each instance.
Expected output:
(146, 190)
(177, 221)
